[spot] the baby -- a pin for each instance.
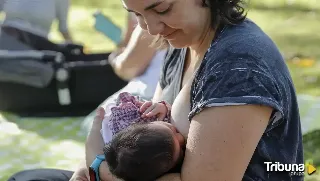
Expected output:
(141, 144)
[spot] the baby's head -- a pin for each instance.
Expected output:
(144, 151)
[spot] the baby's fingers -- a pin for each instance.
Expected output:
(145, 106)
(153, 112)
(146, 112)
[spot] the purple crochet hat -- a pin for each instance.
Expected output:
(127, 112)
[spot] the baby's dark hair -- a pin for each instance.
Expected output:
(138, 153)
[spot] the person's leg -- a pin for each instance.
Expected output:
(42, 175)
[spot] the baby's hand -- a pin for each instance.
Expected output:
(150, 109)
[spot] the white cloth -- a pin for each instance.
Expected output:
(106, 131)
(145, 84)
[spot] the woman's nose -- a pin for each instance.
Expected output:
(154, 26)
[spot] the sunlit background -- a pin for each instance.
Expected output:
(294, 25)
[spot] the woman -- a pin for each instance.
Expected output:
(30, 21)
(232, 94)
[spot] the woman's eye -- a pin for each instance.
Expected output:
(137, 14)
(165, 11)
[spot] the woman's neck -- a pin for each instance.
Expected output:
(197, 51)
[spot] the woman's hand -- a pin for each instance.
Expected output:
(81, 174)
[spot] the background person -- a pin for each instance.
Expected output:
(30, 21)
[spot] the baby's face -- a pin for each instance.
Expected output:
(178, 139)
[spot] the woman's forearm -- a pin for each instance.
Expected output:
(136, 57)
(94, 143)
(94, 146)
(170, 177)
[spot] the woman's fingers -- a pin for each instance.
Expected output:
(100, 114)
(78, 178)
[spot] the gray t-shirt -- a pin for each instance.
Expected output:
(170, 77)
(35, 16)
(244, 66)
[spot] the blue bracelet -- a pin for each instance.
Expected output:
(94, 168)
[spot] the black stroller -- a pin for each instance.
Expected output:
(47, 83)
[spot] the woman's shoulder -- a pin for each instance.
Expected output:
(244, 46)
(244, 66)
(246, 37)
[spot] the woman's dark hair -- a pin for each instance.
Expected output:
(138, 153)
(223, 12)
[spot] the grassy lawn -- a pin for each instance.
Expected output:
(294, 25)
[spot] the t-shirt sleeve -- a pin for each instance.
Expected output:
(236, 81)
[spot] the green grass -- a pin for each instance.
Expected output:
(81, 24)
(293, 27)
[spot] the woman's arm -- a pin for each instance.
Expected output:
(131, 24)
(157, 93)
(62, 10)
(94, 146)
(220, 145)
(136, 57)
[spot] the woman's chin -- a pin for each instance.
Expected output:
(176, 44)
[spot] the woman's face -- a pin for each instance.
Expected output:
(181, 22)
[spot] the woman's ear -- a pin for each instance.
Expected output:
(201, 3)
(204, 3)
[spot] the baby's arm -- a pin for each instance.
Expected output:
(161, 109)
